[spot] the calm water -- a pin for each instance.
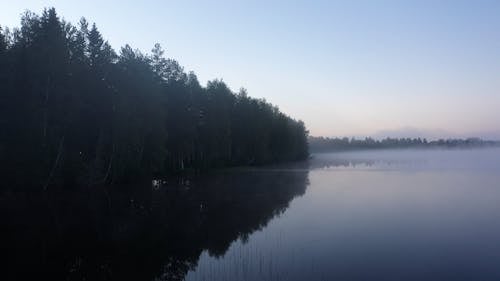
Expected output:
(381, 215)
(375, 215)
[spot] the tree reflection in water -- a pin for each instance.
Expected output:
(139, 232)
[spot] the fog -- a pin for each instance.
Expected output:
(478, 160)
(384, 214)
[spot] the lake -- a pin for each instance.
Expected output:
(379, 215)
(365, 215)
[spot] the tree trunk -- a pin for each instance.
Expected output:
(56, 163)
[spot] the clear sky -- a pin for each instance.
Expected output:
(346, 68)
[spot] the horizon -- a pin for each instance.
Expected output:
(381, 138)
(345, 69)
(168, 140)
(415, 133)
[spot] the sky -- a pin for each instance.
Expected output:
(427, 68)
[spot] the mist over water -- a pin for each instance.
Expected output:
(120, 163)
(363, 215)
(482, 159)
(379, 215)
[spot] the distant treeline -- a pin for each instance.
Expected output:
(74, 111)
(322, 144)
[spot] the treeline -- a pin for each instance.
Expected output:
(322, 144)
(72, 111)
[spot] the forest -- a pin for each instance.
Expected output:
(323, 144)
(73, 111)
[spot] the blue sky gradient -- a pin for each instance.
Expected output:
(347, 68)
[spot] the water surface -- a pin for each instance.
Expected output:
(379, 215)
(368, 215)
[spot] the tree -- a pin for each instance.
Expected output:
(3, 42)
(75, 113)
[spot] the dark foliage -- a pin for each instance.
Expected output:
(322, 144)
(138, 231)
(75, 112)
